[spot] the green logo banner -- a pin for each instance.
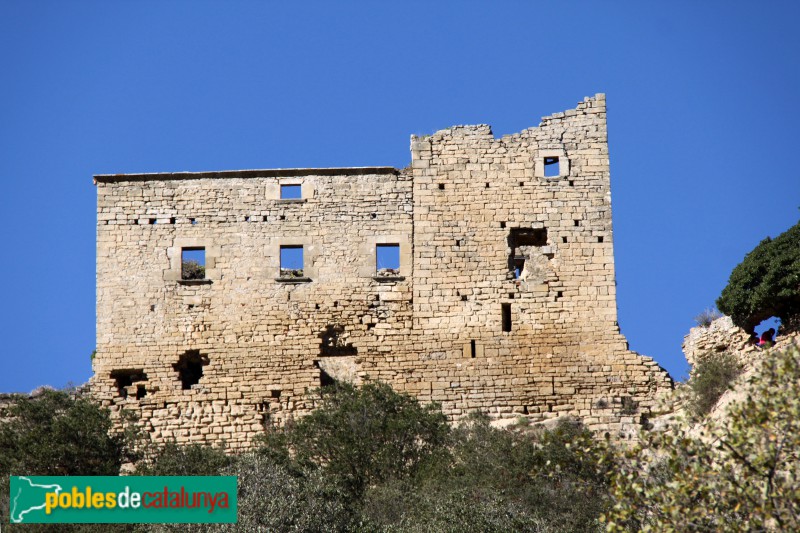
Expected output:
(122, 499)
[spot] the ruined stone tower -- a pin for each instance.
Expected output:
(482, 277)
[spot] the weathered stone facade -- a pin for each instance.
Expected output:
(452, 323)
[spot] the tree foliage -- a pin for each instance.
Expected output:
(55, 433)
(361, 436)
(741, 474)
(711, 377)
(766, 283)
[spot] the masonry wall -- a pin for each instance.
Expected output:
(470, 210)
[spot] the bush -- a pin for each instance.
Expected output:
(766, 283)
(710, 378)
(57, 434)
(192, 270)
(708, 316)
(172, 459)
(740, 476)
(362, 436)
(499, 480)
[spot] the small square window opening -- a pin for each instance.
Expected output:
(193, 263)
(551, 167)
(291, 192)
(387, 259)
(292, 261)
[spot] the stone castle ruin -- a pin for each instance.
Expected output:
(480, 277)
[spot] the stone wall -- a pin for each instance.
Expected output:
(504, 299)
(723, 336)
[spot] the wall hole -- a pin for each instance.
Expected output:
(441, 186)
(172, 220)
(464, 297)
(193, 221)
(334, 342)
(152, 221)
(600, 239)
(373, 215)
(472, 349)
(282, 217)
(511, 295)
(577, 223)
(487, 185)
(275, 394)
(521, 183)
(141, 392)
(190, 368)
(502, 224)
(523, 237)
(571, 183)
(564, 240)
(126, 377)
(506, 316)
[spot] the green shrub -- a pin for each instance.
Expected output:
(57, 434)
(710, 378)
(743, 479)
(361, 436)
(766, 283)
(498, 480)
(172, 459)
(191, 269)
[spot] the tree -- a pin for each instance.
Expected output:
(361, 436)
(740, 475)
(55, 433)
(766, 283)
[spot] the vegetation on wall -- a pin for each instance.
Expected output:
(711, 377)
(766, 283)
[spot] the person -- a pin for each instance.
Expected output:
(767, 337)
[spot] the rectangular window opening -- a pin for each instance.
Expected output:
(193, 263)
(551, 167)
(291, 192)
(506, 309)
(387, 259)
(472, 348)
(292, 261)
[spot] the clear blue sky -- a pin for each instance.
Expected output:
(703, 127)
